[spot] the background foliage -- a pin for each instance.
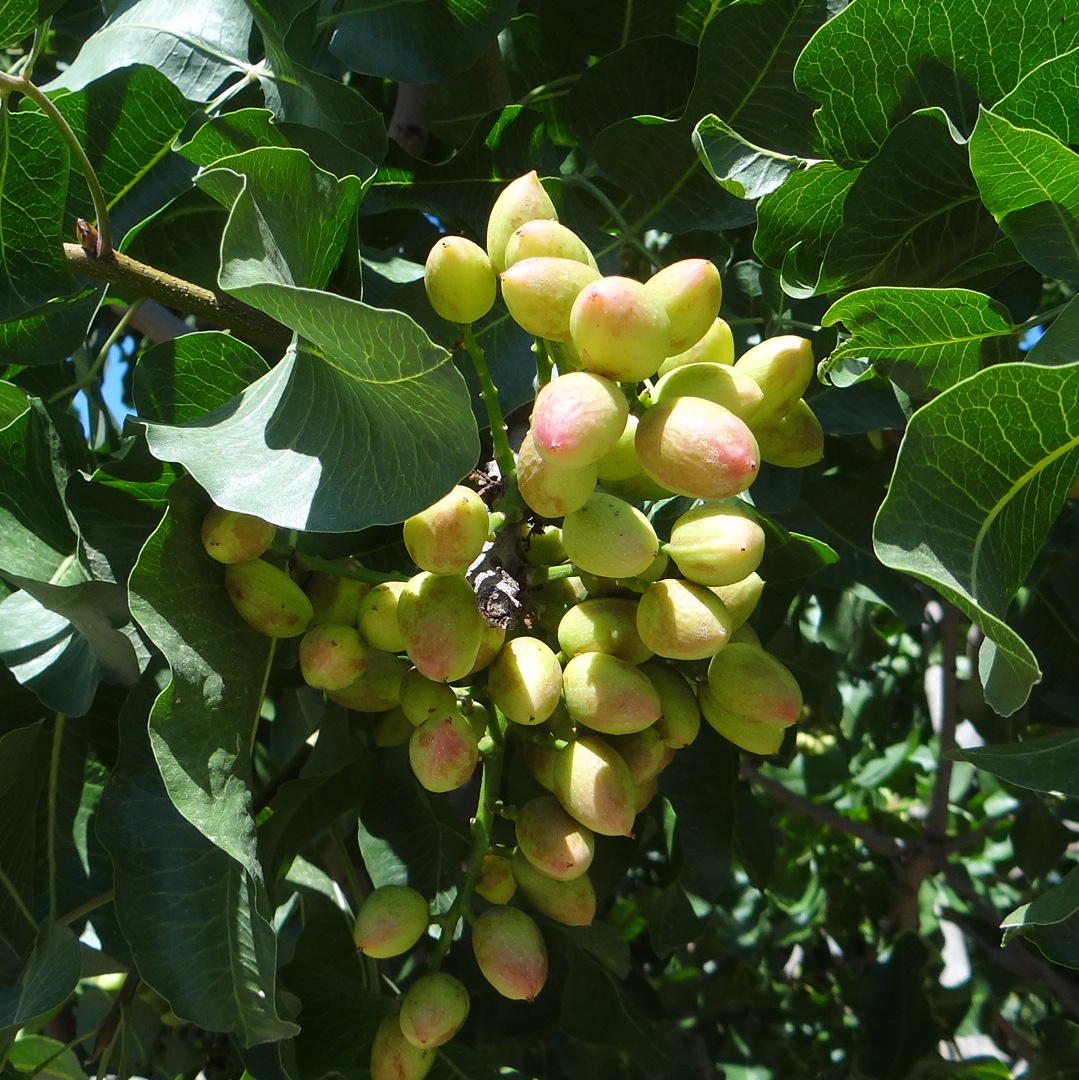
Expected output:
(897, 181)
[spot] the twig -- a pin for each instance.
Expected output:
(217, 307)
(823, 815)
(936, 822)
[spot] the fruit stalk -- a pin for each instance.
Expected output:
(490, 780)
(510, 502)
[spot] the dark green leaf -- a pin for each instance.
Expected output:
(922, 339)
(1039, 839)
(13, 403)
(980, 477)
(1060, 903)
(745, 170)
(24, 766)
(597, 1005)
(869, 405)
(923, 55)
(1047, 99)
(408, 838)
(196, 921)
(180, 381)
(1045, 763)
(745, 72)
(62, 640)
(48, 978)
(417, 40)
(127, 122)
(898, 1024)
(796, 223)
(34, 163)
(318, 433)
(35, 534)
(18, 19)
(196, 47)
(202, 724)
(1030, 183)
(700, 789)
(675, 193)
(673, 920)
(913, 214)
(1058, 344)
(51, 334)
(232, 134)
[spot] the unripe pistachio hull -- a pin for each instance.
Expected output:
(525, 680)
(716, 347)
(750, 682)
(782, 367)
(713, 382)
(698, 448)
(593, 784)
(690, 291)
(443, 752)
(519, 201)
(572, 903)
(609, 537)
(459, 279)
(604, 624)
(551, 490)
(377, 617)
(756, 736)
(390, 921)
(267, 599)
(496, 883)
(577, 418)
(441, 625)
(716, 544)
(336, 599)
(793, 441)
(680, 721)
(620, 329)
(546, 238)
(557, 845)
(682, 621)
(393, 1057)
(741, 597)
(332, 656)
(510, 952)
(539, 294)
(433, 1010)
(231, 537)
(608, 695)
(447, 537)
(378, 689)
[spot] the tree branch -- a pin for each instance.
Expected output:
(117, 269)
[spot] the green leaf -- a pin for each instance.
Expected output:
(675, 193)
(203, 723)
(52, 333)
(1058, 344)
(195, 46)
(61, 641)
(1046, 99)
(49, 977)
(796, 223)
(24, 765)
(196, 921)
(913, 214)
(1045, 763)
(745, 72)
(317, 434)
(949, 56)
(288, 220)
(597, 1005)
(899, 1027)
(1030, 183)
(980, 476)
(700, 790)
(232, 134)
(45, 1058)
(127, 122)
(35, 533)
(179, 381)
(1039, 838)
(34, 165)
(922, 339)
(13, 403)
(745, 170)
(408, 838)
(18, 19)
(417, 40)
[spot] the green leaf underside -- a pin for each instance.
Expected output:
(1060, 342)
(1046, 763)
(56, 329)
(34, 164)
(196, 921)
(745, 170)
(202, 724)
(417, 40)
(980, 477)
(1030, 183)
(196, 47)
(922, 339)
(288, 220)
(394, 429)
(61, 641)
(49, 977)
(949, 55)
